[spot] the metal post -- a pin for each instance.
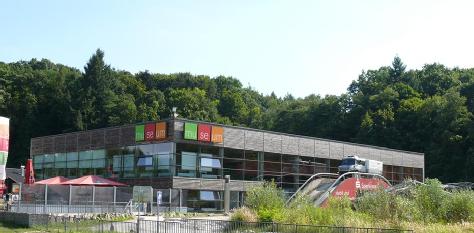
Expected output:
(138, 224)
(93, 199)
(19, 197)
(70, 199)
(226, 194)
(115, 196)
(45, 198)
(180, 199)
(170, 200)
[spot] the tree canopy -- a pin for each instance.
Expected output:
(428, 110)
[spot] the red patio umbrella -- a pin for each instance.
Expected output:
(54, 180)
(92, 180)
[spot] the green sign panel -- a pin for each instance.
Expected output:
(3, 158)
(190, 131)
(139, 133)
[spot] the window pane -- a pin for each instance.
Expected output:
(188, 161)
(213, 163)
(117, 163)
(145, 149)
(48, 158)
(164, 148)
(98, 163)
(60, 157)
(71, 156)
(84, 155)
(98, 154)
(85, 163)
(145, 161)
(233, 153)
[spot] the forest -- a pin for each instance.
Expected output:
(428, 110)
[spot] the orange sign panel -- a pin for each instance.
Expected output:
(161, 130)
(217, 135)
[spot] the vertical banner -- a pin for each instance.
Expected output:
(150, 132)
(4, 140)
(161, 130)
(204, 133)
(217, 134)
(139, 133)
(190, 131)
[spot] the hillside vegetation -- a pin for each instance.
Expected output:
(428, 110)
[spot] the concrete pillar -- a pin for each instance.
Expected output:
(226, 194)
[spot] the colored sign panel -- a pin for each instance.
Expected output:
(3, 158)
(139, 133)
(4, 136)
(3, 144)
(160, 130)
(190, 131)
(204, 133)
(217, 135)
(150, 132)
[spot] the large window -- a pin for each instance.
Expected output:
(234, 163)
(199, 161)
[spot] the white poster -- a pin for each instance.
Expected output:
(4, 141)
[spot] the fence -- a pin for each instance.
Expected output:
(88, 199)
(64, 224)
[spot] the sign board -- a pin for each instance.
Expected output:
(158, 197)
(190, 131)
(4, 140)
(142, 194)
(150, 132)
(160, 130)
(204, 133)
(139, 133)
(217, 134)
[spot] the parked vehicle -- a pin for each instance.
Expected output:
(353, 163)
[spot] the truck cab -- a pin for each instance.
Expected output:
(352, 164)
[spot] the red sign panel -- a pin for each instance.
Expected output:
(349, 187)
(3, 144)
(204, 133)
(149, 132)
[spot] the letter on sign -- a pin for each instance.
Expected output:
(190, 131)
(150, 132)
(204, 133)
(161, 130)
(217, 134)
(139, 132)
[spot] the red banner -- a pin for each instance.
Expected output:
(3, 144)
(204, 133)
(150, 132)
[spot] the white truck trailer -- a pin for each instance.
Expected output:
(353, 163)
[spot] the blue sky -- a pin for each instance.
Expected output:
(297, 47)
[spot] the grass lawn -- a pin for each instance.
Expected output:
(10, 228)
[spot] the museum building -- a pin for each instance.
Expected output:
(193, 157)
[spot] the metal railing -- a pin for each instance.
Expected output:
(65, 224)
(38, 207)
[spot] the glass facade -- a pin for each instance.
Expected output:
(194, 160)
(151, 160)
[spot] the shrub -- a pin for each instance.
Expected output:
(459, 206)
(302, 211)
(430, 198)
(387, 206)
(267, 200)
(244, 214)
